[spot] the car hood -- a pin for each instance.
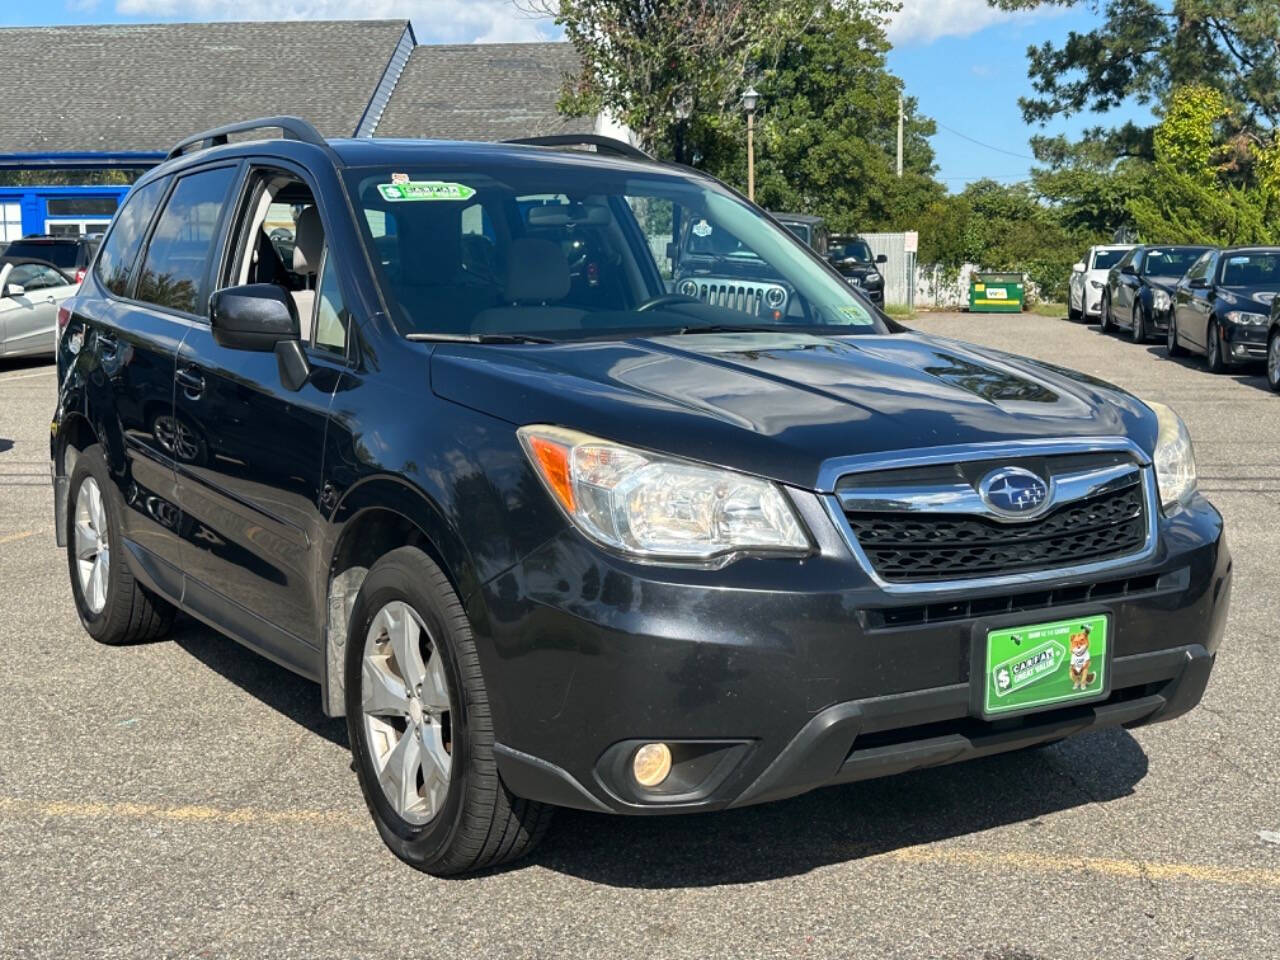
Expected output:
(779, 404)
(1255, 299)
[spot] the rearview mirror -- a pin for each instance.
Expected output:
(255, 316)
(14, 290)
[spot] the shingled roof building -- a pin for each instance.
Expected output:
(121, 96)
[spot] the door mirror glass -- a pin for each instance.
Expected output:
(255, 316)
(14, 290)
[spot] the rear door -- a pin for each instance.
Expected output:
(253, 493)
(129, 349)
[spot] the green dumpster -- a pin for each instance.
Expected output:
(996, 293)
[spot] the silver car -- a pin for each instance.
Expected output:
(30, 293)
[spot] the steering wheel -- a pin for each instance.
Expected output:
(665, 300)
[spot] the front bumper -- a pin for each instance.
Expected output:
(1244, 344)
(775, 677)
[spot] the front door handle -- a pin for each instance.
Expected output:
(191, 381)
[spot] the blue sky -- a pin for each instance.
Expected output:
(965, 62)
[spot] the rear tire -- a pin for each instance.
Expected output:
(464, 819)
(1213, 358)
(1105, 323)
(114, 608)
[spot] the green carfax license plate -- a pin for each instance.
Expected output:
(1045, 664)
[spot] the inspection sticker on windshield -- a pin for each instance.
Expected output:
(424, 190)
(1045, 663)
(855, 316)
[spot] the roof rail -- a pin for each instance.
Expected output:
(293, 128)
(608, 145)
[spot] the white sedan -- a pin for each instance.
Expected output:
(1089, 276)
(30, 293)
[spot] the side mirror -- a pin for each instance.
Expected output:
(14, 290)
(1199, 283)
(882, 258)
(1128, 270)
(1079, 267)
(255, 316)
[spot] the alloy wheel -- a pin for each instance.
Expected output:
(1215, 347)
(1139, 327)
(1273, 361)
(407, 713)
(93, 546)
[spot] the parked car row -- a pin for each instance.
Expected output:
(848, 253)
(1215, 302)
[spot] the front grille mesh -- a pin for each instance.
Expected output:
(920, 547)
(738, 295)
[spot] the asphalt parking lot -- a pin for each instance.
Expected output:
(188, 798)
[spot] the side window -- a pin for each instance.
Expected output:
(331, 312)
(120, 252)
(177, 258)
(35, 276)
(656, 217)
(1200, 269)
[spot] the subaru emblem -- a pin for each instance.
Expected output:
(1014, 492)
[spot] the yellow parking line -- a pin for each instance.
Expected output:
(1024, 862)
(9, 538)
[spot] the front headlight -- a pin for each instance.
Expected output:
(1247, 319)
(1161, 301)
(653, 507)
(1175, 460)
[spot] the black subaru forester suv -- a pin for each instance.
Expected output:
(552, 526)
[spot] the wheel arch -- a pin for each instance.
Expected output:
(378, 515)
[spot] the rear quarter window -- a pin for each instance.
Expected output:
(120, 251)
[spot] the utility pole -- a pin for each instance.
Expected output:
(899, 136)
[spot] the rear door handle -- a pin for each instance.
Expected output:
(191, 381)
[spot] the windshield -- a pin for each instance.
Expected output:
(1170, 262)
(1251, 269)
(565, 250)
(853, 250)
(1106, 259)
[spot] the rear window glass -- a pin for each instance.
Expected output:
(120, 251)
(59, 254)
(177, 259)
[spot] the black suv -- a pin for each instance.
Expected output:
(71, 255)
(551, 531)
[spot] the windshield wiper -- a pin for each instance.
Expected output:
(723, 328)
(477, 338)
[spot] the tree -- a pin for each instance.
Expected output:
(827, 128)
(1145, 49)
(641, 58)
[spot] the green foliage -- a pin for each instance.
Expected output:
(640, 58)
(826, 132)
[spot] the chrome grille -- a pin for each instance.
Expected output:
(746, 296)
(929, 526)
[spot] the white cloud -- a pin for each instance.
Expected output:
(434, 21)
(923, 21)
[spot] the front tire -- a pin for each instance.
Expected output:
(1105, 323)
(114, 608)
(1213, 352)
(1171, 344)
(1273, 360)
(420, 726)
(1139, 328)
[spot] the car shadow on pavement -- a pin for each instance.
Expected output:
(845, 823)
(18, 364)
(282, 690)
(1253, 375)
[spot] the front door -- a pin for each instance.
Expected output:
(252, 492)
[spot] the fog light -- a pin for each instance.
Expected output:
(651, 765)
(1239, 349)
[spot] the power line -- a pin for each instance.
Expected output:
(965, 136)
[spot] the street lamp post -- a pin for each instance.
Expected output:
(750, 100)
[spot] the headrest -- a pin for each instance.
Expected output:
(308, 241)
(537, 272)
